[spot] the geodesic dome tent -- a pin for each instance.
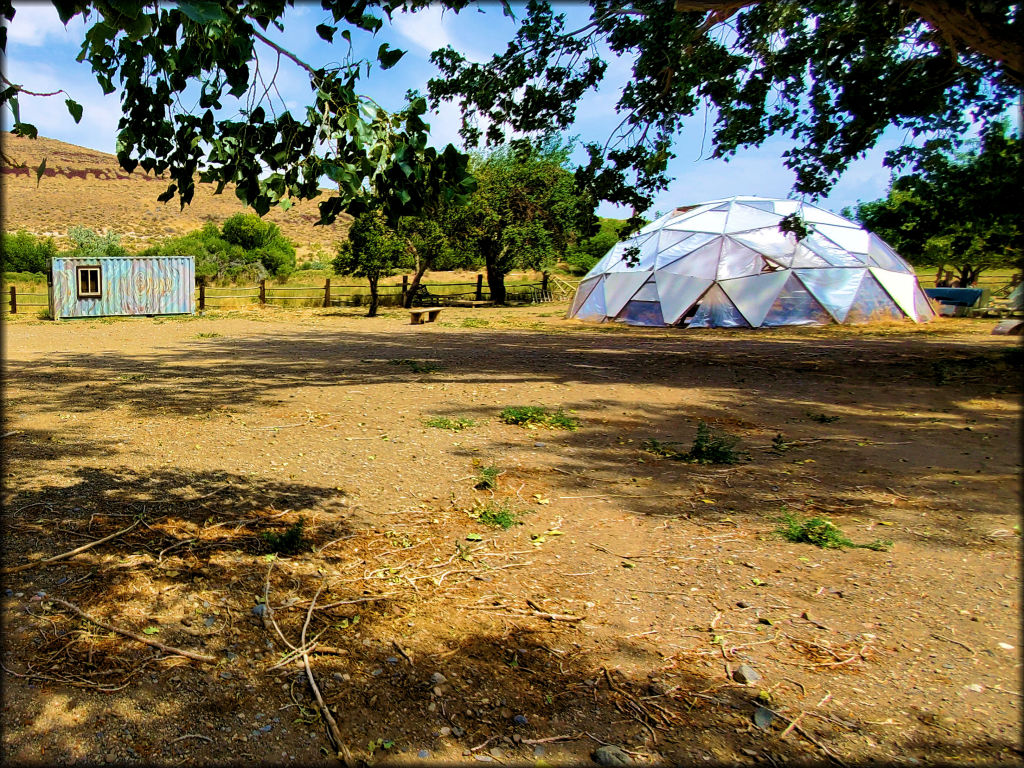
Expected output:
(726, 264)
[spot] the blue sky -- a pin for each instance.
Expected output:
(41, 57)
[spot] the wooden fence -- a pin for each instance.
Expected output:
(208, 297)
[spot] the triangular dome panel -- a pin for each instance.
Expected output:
(683, 247)
(872, 304)
(717, 311)
(795, 306)
(709, 221)
(850, 238)
(753, 296)
(738, 261)
(778, 246)
(619, 288)
(881, 255)
(593, 308)
(923, 311)
(831, 251)
(583, 293)
(645, 248)
(835, 289)
(678, 292)
(743, 218)
(703, 262)
(900, 286)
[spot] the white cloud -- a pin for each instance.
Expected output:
(425, 29)
(37, 24)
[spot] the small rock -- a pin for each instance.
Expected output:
(225, 675)
(259, 610)
(506, 713)
(111, 756)
(610, 756)
(539, 445)
(656, 688)
(497, 752)
(438, 679)
(209, 621)
(19, 594)
(520, 720)
(538, 751)
(230, 655)
(9, 592)
(423, 754)
(336, 675)
(457, 732)
(377, 672)
(392, 659)
(742, 604)
(484, 758)
(749, 752)
(346, 676)
(432, 707)
(446, 731)
(516, 738)
(746, 674)
(437, 690)
(763, 717)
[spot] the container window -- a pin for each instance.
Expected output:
(88, 282)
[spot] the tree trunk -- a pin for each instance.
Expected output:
(421, 269)
(495, 282)
(374, 298)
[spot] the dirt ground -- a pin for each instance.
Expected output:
(617, 612)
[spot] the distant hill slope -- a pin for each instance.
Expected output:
(88, 188)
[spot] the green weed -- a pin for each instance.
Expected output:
(288, 542)
(780, 444)
(443, 422)
(487, 478)
(664, 449)
(532, 416)
(211, 335)
(498, 515)
(475, 322)
(822, 533)
(710, 446)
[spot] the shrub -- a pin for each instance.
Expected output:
(288, 542)
(87, 242)
(499, 515)
(532, 416)
(710, 446)
(455, 425)
(822, 533)
(487, 478)
(24, 252)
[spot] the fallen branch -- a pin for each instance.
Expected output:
(955, 642)
(190, 736)
(551, 739)
(332, 726)
(83, 548)
(540, 613)
(133, 636)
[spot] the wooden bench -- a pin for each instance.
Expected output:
(420, 316)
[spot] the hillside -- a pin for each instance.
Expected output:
(88, 188)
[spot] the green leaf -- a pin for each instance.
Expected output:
(15, 109)
(150, 630)
(474, 537)
(75, 109)
(202, 11)
(388, 57)
(40, 170)
(326, 32)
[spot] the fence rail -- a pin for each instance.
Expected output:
(339, 295)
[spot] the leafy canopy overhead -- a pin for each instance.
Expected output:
(831, 76)
(962, 210)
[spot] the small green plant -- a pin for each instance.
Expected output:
(487, 478)
(822, 533)
(822, 418)
(532, 416)
(443, 422)
(780, 444)
(211, 335)
(288, 542)
(498, 515)
(710, 446)
(417, 366)
(475, 322)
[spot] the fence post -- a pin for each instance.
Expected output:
(202, 293)
(479, 287)
(544, 283)
(405, 288)
(14, 300)
(327, 292)
(263, 291)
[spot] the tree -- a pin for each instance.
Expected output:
(962, 210)
(832, 76)
(586, 253)
(428, 245)
(24, 252)
(373, 251)
(86, 243)
(263, 240)
(526, 212)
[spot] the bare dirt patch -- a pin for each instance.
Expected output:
(617, 608)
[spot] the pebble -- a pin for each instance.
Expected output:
(392, 659)
(974, 687)
(610, 755)
(746, 674)
(437, 690)
(377, 672)
(520, 720)
(457, 732)
(423, 754)
(540, 445)
(538, 751)
(763, 717)
(497, 752)
(9, 592)
(225, 675)
(259, 610)
(438, 679)
(111, 757)
(446, 731)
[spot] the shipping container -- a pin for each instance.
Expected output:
(121, 285)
